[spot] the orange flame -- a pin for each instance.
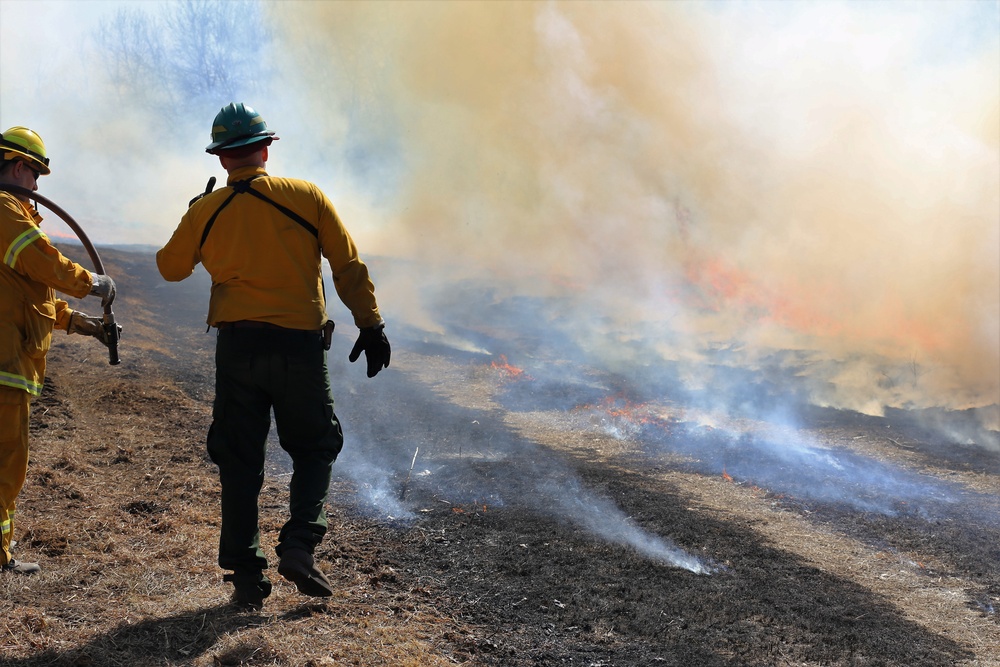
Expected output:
(60, 236)
(457, 509)
(507, 371)
(719, 285)
(633, 413)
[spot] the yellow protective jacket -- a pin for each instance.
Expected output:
(32, 268)
(264, 265)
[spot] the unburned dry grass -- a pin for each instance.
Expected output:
(121, 510)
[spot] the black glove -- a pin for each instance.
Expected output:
(208, 188)
(104, 287)
(85, 324)
(376, 347)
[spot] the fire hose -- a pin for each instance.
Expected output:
(108, 321)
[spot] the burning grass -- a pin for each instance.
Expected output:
(505, 371)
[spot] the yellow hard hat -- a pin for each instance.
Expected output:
(20, 142)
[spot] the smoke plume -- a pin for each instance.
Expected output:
(696, 176)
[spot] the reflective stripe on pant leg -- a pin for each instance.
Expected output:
(5, 528)
(14, 409)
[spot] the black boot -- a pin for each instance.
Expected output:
(249, 590)
(298, 566)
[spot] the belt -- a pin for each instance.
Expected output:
(325, 334)
(253, 324)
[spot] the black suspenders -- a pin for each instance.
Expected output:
(244, 186)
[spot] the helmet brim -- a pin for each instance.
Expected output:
(226, 144)
(33, 162)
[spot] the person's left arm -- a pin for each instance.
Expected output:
(350, 273)
(63, 315)
(355, 289)
(52, 268)
(42, 262)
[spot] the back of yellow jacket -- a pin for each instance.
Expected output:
(264, 265)
(31, 269)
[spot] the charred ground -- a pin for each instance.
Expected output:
(487, 560)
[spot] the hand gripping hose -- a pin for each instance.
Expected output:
(110, 327)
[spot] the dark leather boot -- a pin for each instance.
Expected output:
(298, 566)
(249, 591)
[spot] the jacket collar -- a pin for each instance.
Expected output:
(244, 173)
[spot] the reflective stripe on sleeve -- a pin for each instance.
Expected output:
(20, 243)
(20, 382)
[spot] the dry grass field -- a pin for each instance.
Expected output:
(541, 523)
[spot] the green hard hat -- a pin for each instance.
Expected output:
(237, 125)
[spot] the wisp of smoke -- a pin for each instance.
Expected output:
(602, 518)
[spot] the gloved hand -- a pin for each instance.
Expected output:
(103, 287)
(376, 348)
(85, 324)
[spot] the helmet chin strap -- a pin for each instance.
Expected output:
(110, 327)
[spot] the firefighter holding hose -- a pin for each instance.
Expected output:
(31, 271)
(262, 239)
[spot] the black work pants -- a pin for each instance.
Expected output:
(258, 370)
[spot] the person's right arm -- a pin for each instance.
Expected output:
(30, 253)
(177, 259)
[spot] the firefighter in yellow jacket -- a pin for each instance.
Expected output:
(30, 272)
(262, 239)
